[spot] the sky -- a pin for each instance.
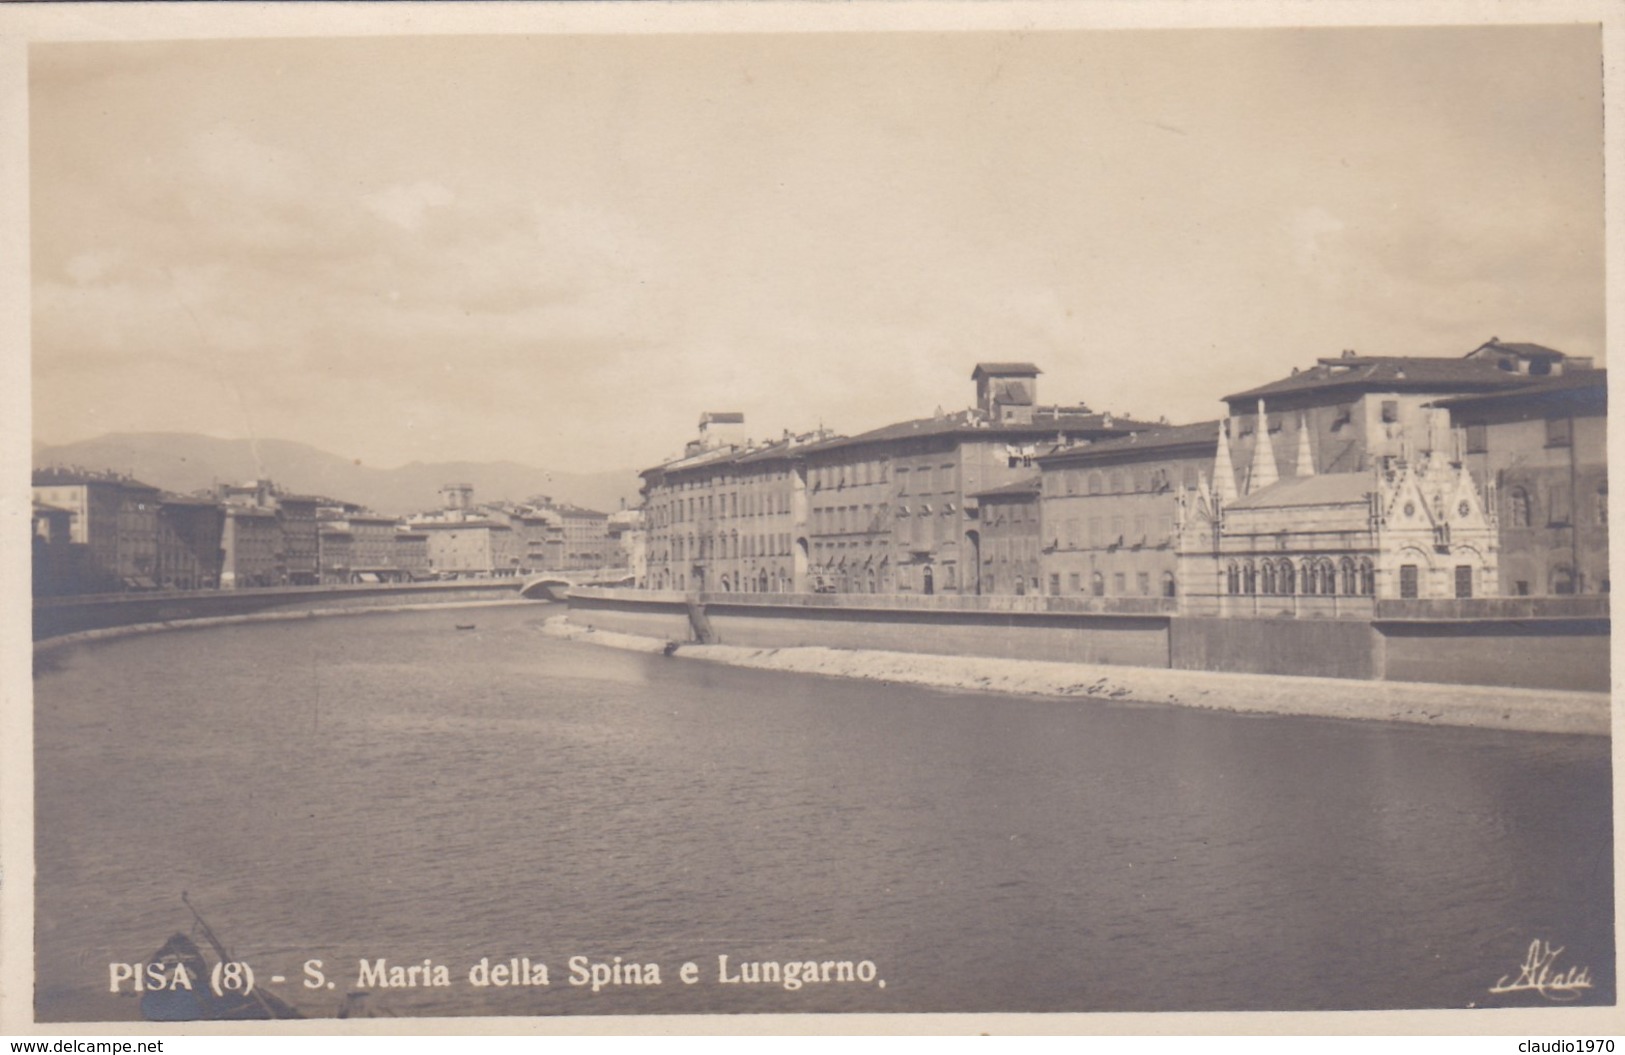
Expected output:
(560, 250)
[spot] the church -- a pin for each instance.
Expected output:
(1258, 541)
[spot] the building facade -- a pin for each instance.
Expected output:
(1415, 527)
(115, 518)
(1011, 536)
(190, 551)
(1542, 450)
(895, 510)
(1110, 510)
(728, 518)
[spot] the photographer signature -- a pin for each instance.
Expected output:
(1539, 975)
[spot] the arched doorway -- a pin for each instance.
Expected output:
(928, 580)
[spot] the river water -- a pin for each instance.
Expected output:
(387, 786)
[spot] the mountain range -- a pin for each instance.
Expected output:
(186, 462)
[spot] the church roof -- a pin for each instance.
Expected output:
(1328, 489)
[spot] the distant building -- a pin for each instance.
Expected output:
(115, 518)
(1541, 449)
(1009, 519)
(470, 548)
(1110, 509)
(251, 547)
(582, 536)
(412, 554)
(372, 549)
(335, 552)
(457, 497)
(627, 543)
(301, 552)
(190, 536)
(894, 510)
(730, 517)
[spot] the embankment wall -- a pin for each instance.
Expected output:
(57, 616)
(1554, 653)
(1518, 653)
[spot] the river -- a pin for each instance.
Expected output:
(386, 786)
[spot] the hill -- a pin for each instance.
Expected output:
(185, 462)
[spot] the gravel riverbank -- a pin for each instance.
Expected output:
(1486, 707)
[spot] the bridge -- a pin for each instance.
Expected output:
(553, 585)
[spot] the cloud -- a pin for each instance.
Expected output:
(403, 204)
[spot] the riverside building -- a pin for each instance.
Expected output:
(1412, 526)
(1110, 510)
(114, 517)
(728, 515)
(892, 510)
(1542, 450)
(897, 509)
(1011, 538)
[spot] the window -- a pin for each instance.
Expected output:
(1094, 531)
(1071, 483)
(1268, 584)
(1600, 516)
(1562, 580)
(1168, 586)
(1143, 580)
(1233, 578)
(1097, 484)
(1520, 512)
(1464, 580)
(1408, 581)
(1520, 588)
(1477, 439)
(1075, 582)
(1097, 584)
(1390, 411)
(1119, 583)
(1559, 512)
(1557, 432)
(902, 480)
(1249, 578)
(1055, 584)
(1285, 579)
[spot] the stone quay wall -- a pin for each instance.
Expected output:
(59, 616)
(1556, 646)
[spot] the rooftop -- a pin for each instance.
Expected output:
(1047, 421)
(1524, 349)
(1157, 438)
(1327, 489)
(1360, 373)
(1587, 385)
(1004, 370)
(60, 477)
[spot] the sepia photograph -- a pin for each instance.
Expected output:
(652, 511)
